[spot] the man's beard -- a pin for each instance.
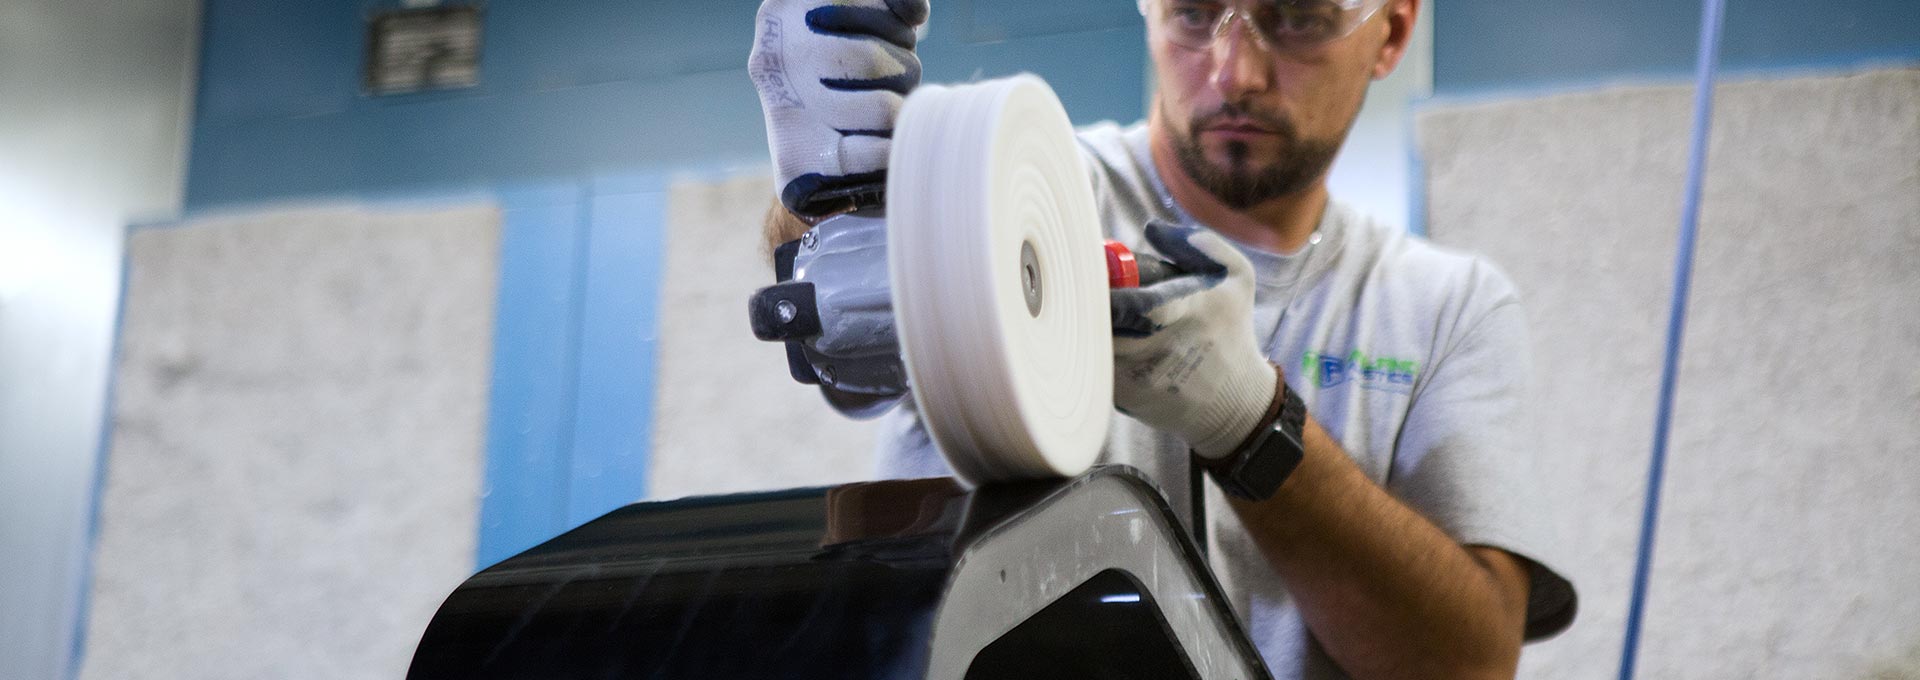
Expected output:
(1240, 185)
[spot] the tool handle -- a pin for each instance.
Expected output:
(1154, 269)
(1128, 269)
(809, 201)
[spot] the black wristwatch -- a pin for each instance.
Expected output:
(1256, 470)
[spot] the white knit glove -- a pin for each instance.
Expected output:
(1184, 356)
(832, 75)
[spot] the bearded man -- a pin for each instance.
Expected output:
(1377, 380)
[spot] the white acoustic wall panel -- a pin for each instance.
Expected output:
(727, 416)
(294, 474)
(1789, 542)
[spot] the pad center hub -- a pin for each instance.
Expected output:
(1030, 282)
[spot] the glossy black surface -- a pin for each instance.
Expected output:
(840, 582)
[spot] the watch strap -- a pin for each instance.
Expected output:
(1257, 468)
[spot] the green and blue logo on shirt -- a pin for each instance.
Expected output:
(1372, 372)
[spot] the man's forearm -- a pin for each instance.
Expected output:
(1387, 593)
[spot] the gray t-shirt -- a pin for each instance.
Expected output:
(1415, 358)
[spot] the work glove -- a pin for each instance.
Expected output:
(832, 75)
(1184, 356)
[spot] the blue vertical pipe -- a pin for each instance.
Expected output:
(1712, 12)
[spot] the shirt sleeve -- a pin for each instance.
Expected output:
(903, 449)
(1465, 457)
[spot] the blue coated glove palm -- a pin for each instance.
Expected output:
(832, 75)
(1185, 359)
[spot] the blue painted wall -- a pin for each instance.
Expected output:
(570, 410)
(1493, 45)
(584, 108)
(572, 88)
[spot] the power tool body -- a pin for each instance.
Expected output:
(833, 309)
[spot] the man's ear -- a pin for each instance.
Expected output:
(1400, 19)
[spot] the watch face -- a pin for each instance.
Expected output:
(1257, 471)
(1275, 459)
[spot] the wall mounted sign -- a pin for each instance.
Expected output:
(430, 48)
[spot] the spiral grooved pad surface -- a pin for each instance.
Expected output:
(999, 280)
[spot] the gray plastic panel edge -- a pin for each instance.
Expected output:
(1106, 519)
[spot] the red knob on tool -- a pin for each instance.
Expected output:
(1123, 271)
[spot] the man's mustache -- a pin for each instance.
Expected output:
(1230, 112)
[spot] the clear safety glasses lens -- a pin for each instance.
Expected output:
(1279, 24)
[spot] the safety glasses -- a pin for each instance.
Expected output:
(1278, 25)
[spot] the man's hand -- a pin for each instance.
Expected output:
(1185, 360)
(832, 75)
(1384, 590)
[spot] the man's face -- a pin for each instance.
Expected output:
(1250, 122)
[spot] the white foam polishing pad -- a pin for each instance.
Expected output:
(999, 281)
